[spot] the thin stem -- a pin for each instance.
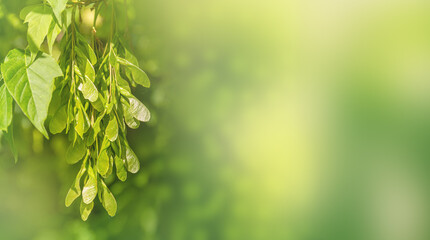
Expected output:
(73, 51)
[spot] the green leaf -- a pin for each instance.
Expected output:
(107, 199)
(6, 108)
(89, 90)
(128, 116)
(112, 129)
(103, 163)
(138, 75)
(39, 19)
(98, 104)
(123, 86)
(11, 141)
(110, 170)
(90, 188)
(53, 32)
(75, 190)
(82, 122)
(85, 210)
(76, 152)
(31, 86)
(82, 43)
(58, 7)
(121, 172)
(132, 161)
(59, 120)
(96, 126)
(24, 12)
(139, 110)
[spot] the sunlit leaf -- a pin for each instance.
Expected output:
(31, 86)
(86, 209)
(128, 117)
(39, 19)
(75, 190)
(121, 172)
(103, 163)
(139, 110)
(89, 91)
(82, 122)
(133, 164)
(58, 7)
(89, 192)
(53, 32)
(6, 108)
(107, 199)
(138, 75)
(112, 129)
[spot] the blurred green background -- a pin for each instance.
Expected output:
(271, 120)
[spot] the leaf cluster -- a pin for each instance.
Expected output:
(85, 94)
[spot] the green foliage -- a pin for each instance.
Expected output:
(85, 94)
(31, 83)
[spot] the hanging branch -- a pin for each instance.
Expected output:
(86, 94)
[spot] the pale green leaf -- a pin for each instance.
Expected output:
(58, 7)
(139, 110)
(108, 200)
(89, 90)
(110, 169)
(132, 161)
(85, 210)
(6, 108)
(39, 19)
(123, 86)
(31, 86)
(82, 122)
(121, 172)
(90, 188)
(103, 163)
(53, 32)
(75, 190)
(138, 75)
(128, 116)
(112, 129)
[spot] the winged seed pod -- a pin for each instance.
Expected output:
(86, 94)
